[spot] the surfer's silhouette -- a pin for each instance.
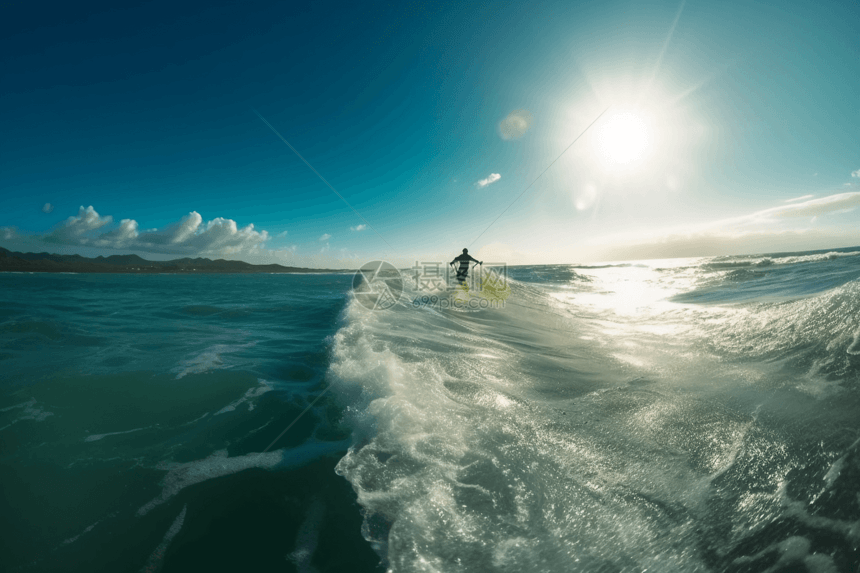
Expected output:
(463, 270)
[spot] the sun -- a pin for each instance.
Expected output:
(623, 139)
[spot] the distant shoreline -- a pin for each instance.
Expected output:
(14, 262)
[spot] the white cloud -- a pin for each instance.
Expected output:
(358, 228)
(282, 234)
(74, 230)
(804, 197)
(181, 231)
(188, 236)
(814, 207)
(492, 178)
(325, 237)
(223, 236)
(786, 227)
(47, 208)
(855, 173)
(122, 235)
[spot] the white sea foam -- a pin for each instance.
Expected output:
(156, 559)
(76, 537)
(96, 437)
(854, 347)
(29, 403)
(252, 393)
(210, 359)
(307, 538)
(30, 411)
(833, 255)
(782, 260)
(181, 475)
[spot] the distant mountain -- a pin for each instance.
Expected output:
(49, 263)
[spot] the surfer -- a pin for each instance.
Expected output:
(464, 261)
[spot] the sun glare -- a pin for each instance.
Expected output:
(622, 140)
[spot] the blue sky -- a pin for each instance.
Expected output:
(732, 127)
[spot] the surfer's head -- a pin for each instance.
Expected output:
(465, 251)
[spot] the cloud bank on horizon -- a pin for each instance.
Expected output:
(188, 236)
(793, 226)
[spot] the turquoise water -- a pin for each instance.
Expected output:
(134, 403)
(683, 415)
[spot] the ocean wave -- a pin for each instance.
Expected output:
(601, 425)
(816, 335)
(459, 449)
(729, 262)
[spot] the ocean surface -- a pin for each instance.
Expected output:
(671, 416)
